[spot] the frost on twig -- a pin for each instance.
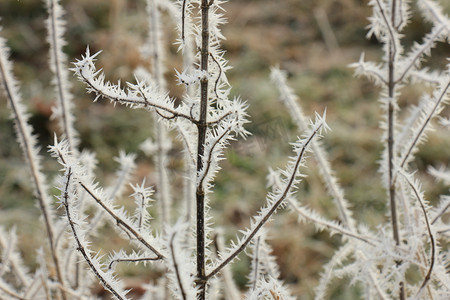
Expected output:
(290, 101)
(10, 258)
(117, 214)
(264, 267)
(28, 142)
(179, 261)
(139, 95)
(78, 228)
(275, 200)
(63, 111)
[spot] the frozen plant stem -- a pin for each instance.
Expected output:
(285, 194)
(393, 204)
(80, 248)
(61, 81)
(177, 272)
(391, 94)
(28, 143)
(163, 196)
(390, 141)
(201, 127)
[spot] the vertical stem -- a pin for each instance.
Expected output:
(202, 126)
(32, 157)
(163, 196)
(391, 115)
(391, 86)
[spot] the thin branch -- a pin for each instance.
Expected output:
(56, 30)
(210, 154)
(141, 213)
(131, 260)
(8, 291)
(80, 247)
(425, 46)
(423, 126)
(271, 211)
(289, 99)
(28, 143)
(218, 76)
(219, 119)
(183, 17)
(121, 222)
(329, 225)
(427, 222)
(175, 265)
(441, 213)
(388, 26)
(256, 262)
(115, 94)
(201, 128)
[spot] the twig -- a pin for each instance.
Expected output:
(131, 260)
(80, 247)
(427, 222)
(202, 127)
(175, 265)
(121, 222)
(271, 211)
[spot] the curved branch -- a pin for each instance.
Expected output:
(427, 222)
(175, 265)
(87, 73)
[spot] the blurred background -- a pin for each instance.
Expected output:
(314, 41)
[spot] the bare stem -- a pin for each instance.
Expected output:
(202, 127)
(135, 260)
(432, 242)
(175, 265)
(256, 262)
(390, 141)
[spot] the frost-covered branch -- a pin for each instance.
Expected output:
(419, 195)
(440, 97)
(64, 109)
(320, 223)
(28, 143)
(414, 58)
(274, 200)
(179, 263)
(106, 278)
(129, 258)
(290, 101)
(60, 151)
(156, 51)
(10, 258)
(137, 95)
(8, 291)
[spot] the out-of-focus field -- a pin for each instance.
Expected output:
(260, 34)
